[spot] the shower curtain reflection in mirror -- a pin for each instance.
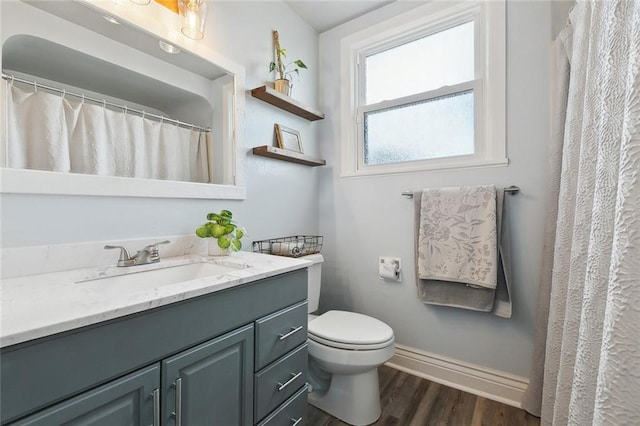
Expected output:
(64, 134)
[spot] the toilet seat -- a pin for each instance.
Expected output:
(350, 346)
(350, 330)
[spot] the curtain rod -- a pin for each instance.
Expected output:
(103, 102)
(510, 189)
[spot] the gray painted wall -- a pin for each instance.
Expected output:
(559, 15)
(282, 198)
(366, 217)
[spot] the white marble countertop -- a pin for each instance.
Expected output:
(35, 306)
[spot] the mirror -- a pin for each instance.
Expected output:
(123, 65)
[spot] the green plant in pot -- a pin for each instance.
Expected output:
(224, 233)
(284, 71)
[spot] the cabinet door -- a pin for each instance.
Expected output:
(212, 383)
(128, 401)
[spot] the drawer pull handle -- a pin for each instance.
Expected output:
(295, 422)
(293, 331)
(288, 382)
(178, 413)
(156, 407)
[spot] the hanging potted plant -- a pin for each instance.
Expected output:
(284, 71)
(223, 233)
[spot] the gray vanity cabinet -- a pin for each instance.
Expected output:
(130, 401)
(200, 353)
(210, 381)
(213, 380)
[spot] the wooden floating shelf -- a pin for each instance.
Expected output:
(287, 155)
(286, 103)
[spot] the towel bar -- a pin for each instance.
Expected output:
(510, 189)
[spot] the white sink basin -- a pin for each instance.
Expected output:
(151, 279)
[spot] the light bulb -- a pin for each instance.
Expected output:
(111, 19)
(193, 14)
(167, 47)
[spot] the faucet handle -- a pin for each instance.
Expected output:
(124, 254)
(150, 254)
(154, 246)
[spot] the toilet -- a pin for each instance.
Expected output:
(345, 351)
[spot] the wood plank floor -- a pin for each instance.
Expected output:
(408, 400)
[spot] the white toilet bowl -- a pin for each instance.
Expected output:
(345, 350)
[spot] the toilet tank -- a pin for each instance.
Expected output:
(313, 282)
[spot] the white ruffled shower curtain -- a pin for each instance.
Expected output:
(50, 132)
(587, 357)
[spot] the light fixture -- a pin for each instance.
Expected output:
(193, 14)
(111, 19)
(169, 48)
(142, 2)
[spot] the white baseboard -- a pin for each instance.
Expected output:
(492, 384)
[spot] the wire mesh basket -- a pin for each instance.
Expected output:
(293, 246)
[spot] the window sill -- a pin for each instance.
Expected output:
(17, 181)
(402, 169)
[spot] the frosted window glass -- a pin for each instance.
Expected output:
(441, 59)
(433, 128)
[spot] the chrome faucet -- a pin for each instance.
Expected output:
(149, 254)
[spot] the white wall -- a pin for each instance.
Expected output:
(282, 198)
(366, 217)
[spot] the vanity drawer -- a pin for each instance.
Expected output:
(279, 333)
(292, 412)
(280, 380)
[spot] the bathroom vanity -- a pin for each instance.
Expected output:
(227, 349)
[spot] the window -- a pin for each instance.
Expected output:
(426, 90)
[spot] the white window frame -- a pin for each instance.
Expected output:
(489, 84)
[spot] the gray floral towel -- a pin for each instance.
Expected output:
(457, 238)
